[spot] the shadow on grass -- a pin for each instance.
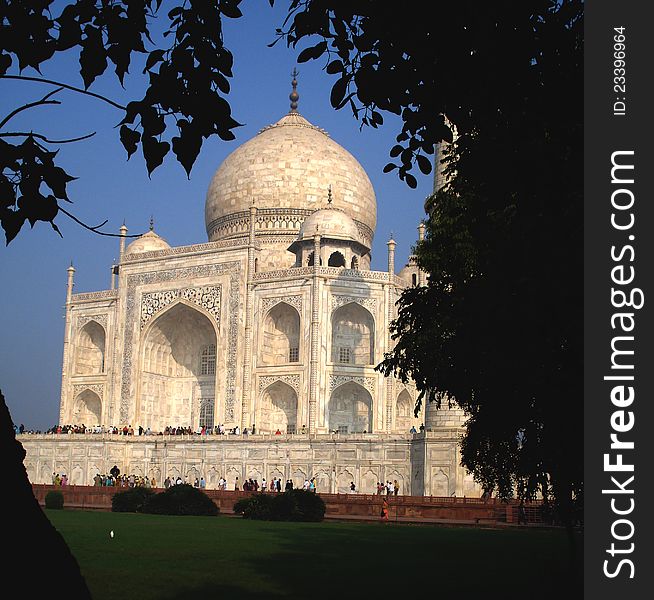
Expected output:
(456, 562)
(173, 558)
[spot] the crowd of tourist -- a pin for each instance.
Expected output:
(115, 479)
(168, 430)
(390, 488)
(18, 429)
(219, 429)
(61, 480)
(253, 485)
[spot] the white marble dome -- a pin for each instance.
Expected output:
(331, 223)
(146, 243)
(286, 171)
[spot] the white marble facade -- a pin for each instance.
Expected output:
(250, 329)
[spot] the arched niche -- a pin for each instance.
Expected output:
(394, 476)
(278, 409)
(355, 262)
(404, 412)
(343, 481)
(353, 335)
(336, 259)
(87, 409)
(440, 484)
(369, 481)
(178, 375)
(280, 343)
(90, 349)
(350, 409)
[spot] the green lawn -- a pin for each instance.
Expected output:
(222, 557)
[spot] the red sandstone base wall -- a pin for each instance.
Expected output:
(352, 505)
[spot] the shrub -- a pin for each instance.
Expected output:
(54, 500)
(258, 506)
(293, 505)
(181, 499)
(308, 506)
(132, 500)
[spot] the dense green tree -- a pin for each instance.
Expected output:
(499, 326)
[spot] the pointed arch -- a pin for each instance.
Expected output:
(280, 343)
(350, 409)
(178, 375)
(343, 481)
(353, 335)
(278, 409)
(323, 481)
(87, 408)
(336, 259)
(90, 349)
(403, 412)
(369, 481)
(440, 483)
(394, 476)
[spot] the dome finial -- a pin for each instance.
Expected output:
(294, 96)
(329, 194)
(151, 222)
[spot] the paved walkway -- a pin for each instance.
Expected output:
(482, 523)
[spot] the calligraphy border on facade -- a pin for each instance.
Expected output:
(367, 302)
(99, 319)
(207, 297)
(337, 380)
(293, 381)
(295, 301)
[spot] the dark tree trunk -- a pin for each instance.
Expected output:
(37, 561)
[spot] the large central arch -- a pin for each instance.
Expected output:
(178, 370)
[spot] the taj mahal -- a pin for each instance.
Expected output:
(274, 326)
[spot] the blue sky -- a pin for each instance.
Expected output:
(33, 267)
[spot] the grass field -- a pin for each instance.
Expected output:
(223, 557)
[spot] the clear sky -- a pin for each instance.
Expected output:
(33, 267)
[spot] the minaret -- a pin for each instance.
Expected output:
(389, 294)
(391, 255)
(315, 332)
(123, 235)
(67, 335)
(246, 405)
(70, 284)
(421, 238)
(440, 180)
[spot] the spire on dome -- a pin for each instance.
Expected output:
(294, 96)
(151, 222)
